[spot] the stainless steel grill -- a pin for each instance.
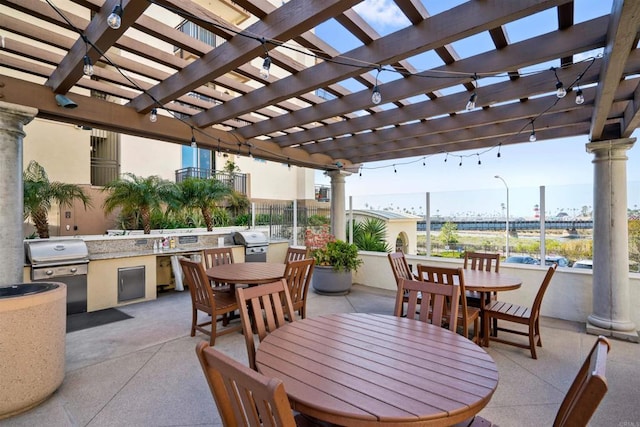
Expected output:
(255, 245)
(65, 261)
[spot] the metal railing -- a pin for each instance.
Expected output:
(278, 218)
(235, 181)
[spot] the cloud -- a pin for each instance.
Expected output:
(382, 12)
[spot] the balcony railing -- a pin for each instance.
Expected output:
(235, 181)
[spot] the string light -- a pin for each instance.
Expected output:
(460, 161)
(394, 169)
(561, 92)
(446, 157)
(376, 97)
(424, 163)
(532, 137)
(472, 100)
(115, 18)
(87, 69)
(499, 146)
(479, 162)
(579, 96)
(153, 116)
(193, 139)
(266, 65)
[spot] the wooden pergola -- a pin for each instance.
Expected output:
(218, 95)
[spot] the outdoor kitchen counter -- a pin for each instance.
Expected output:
(147, 252)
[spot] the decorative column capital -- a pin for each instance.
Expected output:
(599, 147)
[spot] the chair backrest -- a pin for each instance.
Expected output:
(445, 276)
(217, 256)
(263, 308)
(535, 309)
(298, 276)
(199, 286)
(482, 261)
(428, 301)
(295, 254)
(587, 390)
(399, 266)
(244, 397)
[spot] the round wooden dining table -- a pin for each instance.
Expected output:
(489, 281)
(358, 369)
(251, 273)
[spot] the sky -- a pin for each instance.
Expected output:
(563, 166)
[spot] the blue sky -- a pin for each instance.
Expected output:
(563, 165)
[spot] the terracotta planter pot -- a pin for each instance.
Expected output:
(327, 281)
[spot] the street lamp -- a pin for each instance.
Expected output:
(507, 220)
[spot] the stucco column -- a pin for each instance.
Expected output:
(611, 297)
(338, 200)
(12, 118)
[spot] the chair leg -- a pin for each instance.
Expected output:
(532, 341)
(194, 320)
(485, 330)
(537, 330)
(212, 338)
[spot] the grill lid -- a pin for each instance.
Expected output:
(52, 252)
(250, 238)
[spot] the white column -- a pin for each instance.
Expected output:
(338, 200)
(611, 297)
(12, 119)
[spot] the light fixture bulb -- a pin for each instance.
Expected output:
(193, 142)
(472, 102)
(87, 69)
(115, 18)
(153, 117)
(376, 97)
(561, 92)
(266, 65)
(579, 97)
(532, 137)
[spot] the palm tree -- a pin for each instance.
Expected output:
(39, 192)
(203, 194)
(137, 194)
(237, 202)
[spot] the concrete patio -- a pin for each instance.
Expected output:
(143, 371)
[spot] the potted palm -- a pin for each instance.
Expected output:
(335, 262)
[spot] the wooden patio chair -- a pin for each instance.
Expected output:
(213, 257)
(452, 276)
(298, 277)
(243, 396)
(265, 308)
(400, 268)
(205, 300)
(503, 311)
(295, 254)
(584, 395)
(484, 262)
(429, 302)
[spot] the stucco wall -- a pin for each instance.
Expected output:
(568, 297)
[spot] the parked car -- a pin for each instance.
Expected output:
(522, 260)
(584, 263)
(560, 260)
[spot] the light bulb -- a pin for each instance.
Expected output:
(579, 97)
(376, 97)
(532, 137)
(472, 102)
(561, 91)
(115, 18)
(193, 142)
(264, 71)
(153, 117)
(87, 69)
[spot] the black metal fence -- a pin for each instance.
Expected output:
(278, 217)
(235, 181)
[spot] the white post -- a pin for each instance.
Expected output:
(543, 229)
(350, 219)
(427, 222)
(506, 251)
